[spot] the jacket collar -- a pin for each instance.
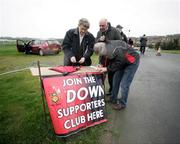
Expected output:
(109, 27)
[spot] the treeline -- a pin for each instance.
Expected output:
(173, 44)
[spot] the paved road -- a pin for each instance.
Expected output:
(153, 112)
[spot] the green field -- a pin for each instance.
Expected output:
(21, 110)
(171, 51)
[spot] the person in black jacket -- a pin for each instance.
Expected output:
(78, 45)
(124, 63)
(143, 41)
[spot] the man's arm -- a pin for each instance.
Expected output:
(124, 37)
(117, 34)
(67, 44)
(89, 48)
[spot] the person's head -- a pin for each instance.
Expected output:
(100, 49)
(103, 25)
(83, 26)
(119, 27)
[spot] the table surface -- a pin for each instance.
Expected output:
(45, 71)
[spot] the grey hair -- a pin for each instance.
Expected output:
(103, 20)
(100, 48)
(84, 22)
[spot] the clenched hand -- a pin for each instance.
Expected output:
(73, 59)
(82, 60)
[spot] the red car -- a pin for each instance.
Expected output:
(41, 47)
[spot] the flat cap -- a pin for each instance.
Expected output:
(119, 26)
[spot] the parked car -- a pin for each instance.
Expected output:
(41, 47)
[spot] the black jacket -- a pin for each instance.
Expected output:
(111, 34)
(143, 41)
(71, 47)
(120, 55)
(124, 37)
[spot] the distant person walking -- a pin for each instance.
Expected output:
(143, 41)
(78, 45)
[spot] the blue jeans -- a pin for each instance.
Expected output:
(121, 82)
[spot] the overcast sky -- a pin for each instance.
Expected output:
(52, 18)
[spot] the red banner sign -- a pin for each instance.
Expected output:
(75, 102)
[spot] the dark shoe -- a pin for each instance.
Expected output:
(118, 106)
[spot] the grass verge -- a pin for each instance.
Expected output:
(171, 51)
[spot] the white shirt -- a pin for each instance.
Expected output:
(80, 38)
